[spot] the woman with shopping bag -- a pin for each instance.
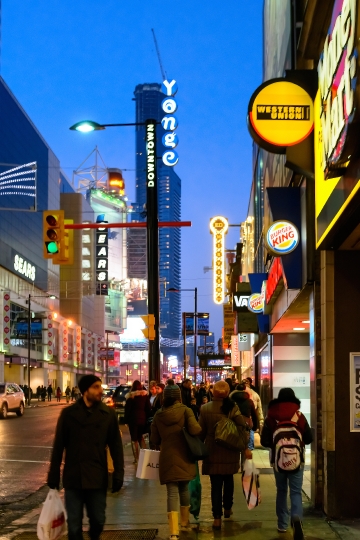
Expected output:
(176, 468)
(223, 462)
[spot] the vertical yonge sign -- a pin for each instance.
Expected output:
(170, 140)
(337, 76)
(218, 228)
(102, 252)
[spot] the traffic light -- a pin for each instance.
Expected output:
(58, 242)
(53, 229)
(149, 332)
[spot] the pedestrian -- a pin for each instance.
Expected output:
(137, 411)
(67, 394)
(38, 392)
(251, 384)
(186, 392)
(201, 393)
(152, 392)
(194, 408)
(49, 392)
(259, 412)
(204, 400)
(246, 406)
(77, 393)
(83, 431)
(43, 393)
(284, 414)
(176, 469)
(58, 394)
(73, 393)
(222, 463)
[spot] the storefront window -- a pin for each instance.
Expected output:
(264, 367)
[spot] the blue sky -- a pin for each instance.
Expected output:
(66, 61)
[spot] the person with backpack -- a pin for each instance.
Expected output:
(286, 432)
(223, 462)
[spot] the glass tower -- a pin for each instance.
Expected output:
(148, 98)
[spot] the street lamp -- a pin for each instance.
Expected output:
(152, 227)
(172, 289)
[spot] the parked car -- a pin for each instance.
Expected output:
(12, 399)
(118, 400)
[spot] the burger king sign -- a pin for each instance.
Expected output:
(256, 303)
(282, 238)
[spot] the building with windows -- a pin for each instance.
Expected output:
(148, 98)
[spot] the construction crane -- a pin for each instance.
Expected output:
(163, 72)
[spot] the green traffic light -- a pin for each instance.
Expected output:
(52, 247)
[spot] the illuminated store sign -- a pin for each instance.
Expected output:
(169, 123)
(102, 255)
(150, 154)
(337, 84)
(256, 303)
(23, 267)
(280, 114)
(275, 277)
(282, 238)
(218, 228)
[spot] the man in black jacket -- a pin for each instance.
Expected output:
(185, 389)
(84, 430)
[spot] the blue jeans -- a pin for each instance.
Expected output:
(251, 440)
(95, 503)
(295, 482)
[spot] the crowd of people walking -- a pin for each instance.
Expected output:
(157, 416)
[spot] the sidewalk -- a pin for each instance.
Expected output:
(142, 504)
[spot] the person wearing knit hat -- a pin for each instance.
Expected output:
(84, 431)
(176, 468)
(285, 410)
(222, 463)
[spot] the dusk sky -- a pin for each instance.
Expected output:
(67, 61)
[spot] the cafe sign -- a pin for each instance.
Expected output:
(282, 238)
(280, 114)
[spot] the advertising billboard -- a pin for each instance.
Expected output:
(20, 329)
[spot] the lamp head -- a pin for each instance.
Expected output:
(86, 126)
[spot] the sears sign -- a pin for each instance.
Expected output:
(282, 238)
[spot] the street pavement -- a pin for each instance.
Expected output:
(140, 504)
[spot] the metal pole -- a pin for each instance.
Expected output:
(152, 246)
(184, 323)
(195, 334)
(29, 353)
(107, 358)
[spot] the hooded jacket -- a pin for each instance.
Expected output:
(282, 411)
(246, 406)
(175, 464)
(137, 407)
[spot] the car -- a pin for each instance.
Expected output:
(118, 400)
(12, 399)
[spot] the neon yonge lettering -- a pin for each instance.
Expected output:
(150, 150)
(218, 228)
(336, 71)
(273, 280)
(170, 123)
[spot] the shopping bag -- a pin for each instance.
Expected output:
(251, 484)
(195, 494)
(148, 466)
(52, 520)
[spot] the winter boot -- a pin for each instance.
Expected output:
(184, 519)
(173, 520)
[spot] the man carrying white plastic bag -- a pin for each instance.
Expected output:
(52, 520)
(84, 431)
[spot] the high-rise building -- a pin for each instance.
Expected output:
(148, 98)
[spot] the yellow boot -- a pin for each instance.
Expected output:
(173, 520)
(184, 519)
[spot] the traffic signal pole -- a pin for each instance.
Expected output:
(152, 246)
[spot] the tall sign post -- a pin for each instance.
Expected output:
(152, 246)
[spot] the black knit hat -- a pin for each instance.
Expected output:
(86, 381)
(172, 390)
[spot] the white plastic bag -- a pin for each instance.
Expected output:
(52, 520)
(148, 466)
(251, 484)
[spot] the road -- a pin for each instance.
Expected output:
(25, 449)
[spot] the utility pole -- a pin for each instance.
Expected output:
(28, 349)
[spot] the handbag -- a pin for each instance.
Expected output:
(251, 484)
(148, 466)
(52, 520)
(197, 449)
(228, 436)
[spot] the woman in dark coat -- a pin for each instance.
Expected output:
(176, 468)
(222, 463)
(137, 410)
